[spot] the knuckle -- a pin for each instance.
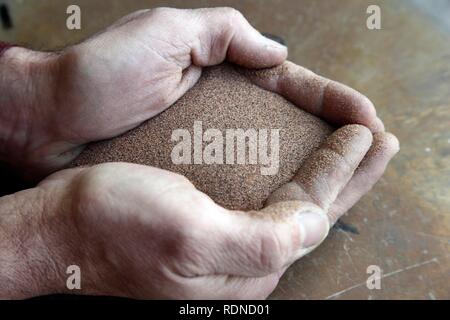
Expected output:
(228, 11)
(257, 288)
(230, 16)
(191, 239)
(344, 162)
(93, 191)
(355, 132)
(233, 13)
(190, 256)
(169, 17)
(188, 233)
(163, 11)
(92, 183)
(268, 286)
(272, 252)
(165, 99)
(183, 230)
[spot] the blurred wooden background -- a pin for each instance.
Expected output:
(403, 225)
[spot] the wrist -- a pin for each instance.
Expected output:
(27, 90)
(38, 241)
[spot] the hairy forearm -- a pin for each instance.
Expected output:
(40, 238)
(35, 242)
(22, 248)
(27, 82)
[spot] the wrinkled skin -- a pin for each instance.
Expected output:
(143, 232)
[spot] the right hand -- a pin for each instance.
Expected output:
(143, 232)
(137, 68)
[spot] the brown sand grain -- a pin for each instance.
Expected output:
(222, 99)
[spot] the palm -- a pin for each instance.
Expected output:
(123, 85)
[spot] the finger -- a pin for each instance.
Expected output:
(224, 33)
(325, 173)
(260, 243)
(338, 104)
(62, 176)
(189, 78)
(372, 167)
(226, 287)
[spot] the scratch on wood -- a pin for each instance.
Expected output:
(434, 236)
(389, 274)
(340, 225)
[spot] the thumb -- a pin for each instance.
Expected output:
(311, 220)
(224, 33)
(259, 243)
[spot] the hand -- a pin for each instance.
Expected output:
(125, 75)
(134, 70)
(330, 100)
(143, 232)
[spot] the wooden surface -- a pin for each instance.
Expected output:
(403, 225)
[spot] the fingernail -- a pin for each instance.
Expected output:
(314, 228)
(271, 44)
(275, 38)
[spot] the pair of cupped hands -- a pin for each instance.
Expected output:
(143, 232)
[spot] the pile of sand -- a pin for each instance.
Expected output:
(222, 99)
